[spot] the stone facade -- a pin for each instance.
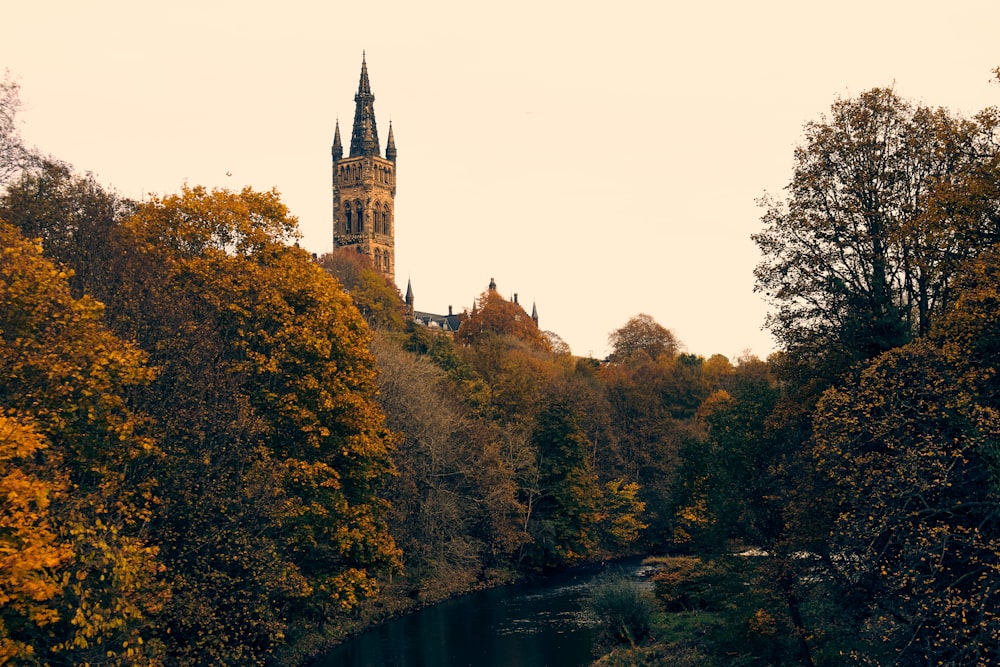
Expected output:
(364, 186)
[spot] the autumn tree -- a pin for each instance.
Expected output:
(643, 334)
(372, 291)
(29, 542)
(911, 452)
(79, 581)
(75, 219)
(653, 393)
(493, 315)
(730, 478)
(454, 508)
(862, 252)
(274, 448)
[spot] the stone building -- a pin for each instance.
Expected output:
(364, 185)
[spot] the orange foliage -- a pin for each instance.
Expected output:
(494, 315)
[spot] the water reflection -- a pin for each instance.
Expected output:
(536, 625)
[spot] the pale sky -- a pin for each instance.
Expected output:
(599, 159)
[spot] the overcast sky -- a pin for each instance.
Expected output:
(599, 159)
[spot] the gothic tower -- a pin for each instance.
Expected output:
(364, 185)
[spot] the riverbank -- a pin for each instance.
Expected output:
(399, 601)
(544, 621)
(397, 598)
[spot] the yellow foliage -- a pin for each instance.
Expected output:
(75, 572)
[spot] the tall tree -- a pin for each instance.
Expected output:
(566, 511)
(275, 449)
(863, 250)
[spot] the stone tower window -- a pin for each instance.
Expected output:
(361, 216)
(347, 218)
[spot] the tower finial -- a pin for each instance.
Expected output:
(338, 147)
(364, 135)
(390, 145)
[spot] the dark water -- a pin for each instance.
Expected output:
(542, 624)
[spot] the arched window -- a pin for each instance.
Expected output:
(361, 216)
(347, 217)
(378, 258)
(385, 261)
(385, 220)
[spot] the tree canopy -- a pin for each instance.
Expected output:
(642, 334)
(886, 200)
(494, 315)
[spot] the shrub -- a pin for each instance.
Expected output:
(624, 608)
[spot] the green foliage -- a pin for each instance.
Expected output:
(732, 478)
(911, 451)
(565, 503)
(726, 611)
(624, 608)
(692, 584)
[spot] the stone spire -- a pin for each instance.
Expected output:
(338, 147)
(364, 135)
(390, 146)
(409, 295)
(534, 313)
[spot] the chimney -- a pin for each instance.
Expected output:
(449, 311)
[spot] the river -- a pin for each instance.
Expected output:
(538, 624)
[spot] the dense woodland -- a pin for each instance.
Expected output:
(218, 449)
